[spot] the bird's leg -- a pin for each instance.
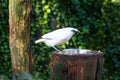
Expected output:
(56, 48)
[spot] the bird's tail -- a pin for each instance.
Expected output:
(39, 40)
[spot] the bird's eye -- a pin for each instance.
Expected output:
(74, 31)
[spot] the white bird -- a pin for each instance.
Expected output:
(57, 37)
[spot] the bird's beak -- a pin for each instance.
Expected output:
(78, 31)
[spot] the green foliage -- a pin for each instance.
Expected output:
(21, 76)
(98, 21)
(112, 48)
(5, 61)
(24, 76)
(3, 77)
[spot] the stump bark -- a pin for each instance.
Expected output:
(75, 64)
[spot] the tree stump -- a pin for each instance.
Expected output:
(77, 64)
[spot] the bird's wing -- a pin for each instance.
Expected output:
(54, 34)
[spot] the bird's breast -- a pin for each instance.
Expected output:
(55, 42)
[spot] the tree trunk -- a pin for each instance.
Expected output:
(19, 21)
(76, 65)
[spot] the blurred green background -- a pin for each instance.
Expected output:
(98, 21)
